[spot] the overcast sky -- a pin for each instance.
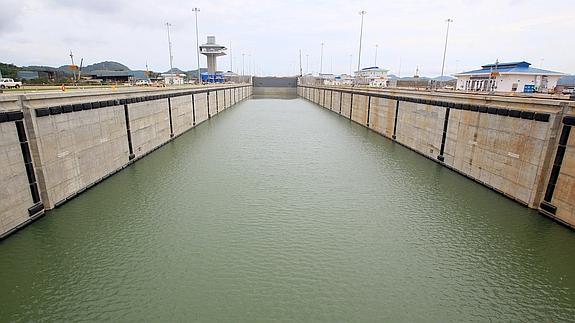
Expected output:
(409, 33)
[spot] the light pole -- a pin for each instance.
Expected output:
(231, 59)
(444, 51)
(321, 59)
(196, 10)
(243, 56)
(375, 62)
(306, 63)
(300, 72)
(169, 45)
(362, 13)
(350, 63)
(331, 66)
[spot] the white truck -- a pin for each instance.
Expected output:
(9, 83)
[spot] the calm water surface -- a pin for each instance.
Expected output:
(278, 210)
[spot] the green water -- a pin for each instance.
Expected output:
(278, 210)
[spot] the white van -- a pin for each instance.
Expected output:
(9, 83)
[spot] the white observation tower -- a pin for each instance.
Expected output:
(212, 51)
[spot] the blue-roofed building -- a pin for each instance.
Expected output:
(508, 77)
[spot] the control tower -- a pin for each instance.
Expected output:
(212, 51)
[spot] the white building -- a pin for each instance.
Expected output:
(327, 79)
(173, 79)
(508, 77)
(372, 76)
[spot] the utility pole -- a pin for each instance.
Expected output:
(306, 63)
(362, 13)
(375, 63)
(243, 56)
(170, 46)
(321, 60)
(445, 51)
(196, 10)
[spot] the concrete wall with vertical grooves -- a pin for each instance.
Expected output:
(149, 125)
(201, 106)
(564, 199)
(511, 145)
(346, 104)
(15, 198)
(212, 103)
(560, 193)
(420, 127)
(382, 116)
(182, 114)
(70, 142)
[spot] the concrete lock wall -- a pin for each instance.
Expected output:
(519, 147)
(55, 146)
(559, 198)
(18, 190)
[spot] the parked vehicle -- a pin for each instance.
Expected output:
(568, 91)
(143, 83)
(9, 83)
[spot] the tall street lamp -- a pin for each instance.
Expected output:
(196, 10)
(362, 13)
(321, 59)
(249, 64)
(169, 48)
(231, 59)
(243, 56)
(350, 63)
(375, 62)
(444, 51)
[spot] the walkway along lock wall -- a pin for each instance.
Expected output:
(520, 147)
(55, 146)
